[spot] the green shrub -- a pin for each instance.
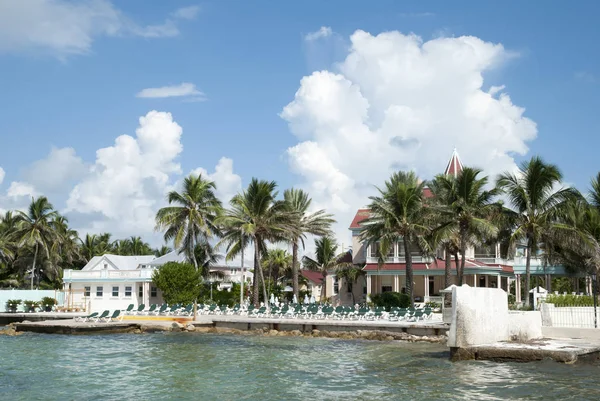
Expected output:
(391, 299)
(48, 301)
(511, 299)
(570, 300)
(31, 305)
(179, 282)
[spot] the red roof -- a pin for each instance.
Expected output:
(454, 165)
(427, 193)
(432, 266)
(313, 276)
(360, 215)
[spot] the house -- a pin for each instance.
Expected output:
(314, 283)
(484, 265)
(114, 281)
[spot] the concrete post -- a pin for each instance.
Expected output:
(396, 283)
(474, 280)
(368, 288)
(426, 280)
(487, 281)
(499, 283)
(518, 288)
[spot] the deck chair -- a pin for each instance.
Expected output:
(129, 310)
(115, 316)
(139, 310)
(86, 318)
(103, 316)
(151, 310)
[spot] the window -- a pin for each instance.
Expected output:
(336, 285)
(140, 291)
(115, 292)
(99, 291)
(128, 291)
(153, 292)
(375, 251)
(386, 288)
(106, 266)
(86, 291)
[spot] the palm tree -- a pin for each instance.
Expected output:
(536, 204)
(193, 217)
(36, 229)
(206, 256)
(326, 259)
(397, 214)
(278, 262)
(162, 251)
(7, 244)
(317, 223)
(257, 216)
(349, 275)
(464, 210)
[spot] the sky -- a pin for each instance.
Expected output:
(106, 105)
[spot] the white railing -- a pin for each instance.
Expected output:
(107, 274)
(491, 260)
(401, 259)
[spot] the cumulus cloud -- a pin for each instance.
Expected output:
(61, 168)
(18, 189)
(323, 32)
(397, 102)
(188, 13)
(2, 175)
(64, 28)
(128, 180)
(185, 89)
(228, 183)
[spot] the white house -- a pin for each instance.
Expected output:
(114, 282)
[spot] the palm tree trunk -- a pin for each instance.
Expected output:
(33, 267)
(324, 285)
(528, 270)
(256, 275)
(295, 269)
(463, 256)
(409, 271)
(458, 272)
(447, 274)
(264, 286)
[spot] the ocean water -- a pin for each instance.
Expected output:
(187, 366)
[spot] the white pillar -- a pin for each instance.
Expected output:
(368, 288)
(426, 280)
(518, 288)
(396, 283)
(487, 281)
(474, 280)
(499, 281)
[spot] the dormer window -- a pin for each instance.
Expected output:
(105, 266)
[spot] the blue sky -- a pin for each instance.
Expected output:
(248, 59)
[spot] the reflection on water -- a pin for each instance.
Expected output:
(207, 367)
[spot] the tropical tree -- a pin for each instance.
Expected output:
(206, 256)
(464, 210)
(349, 274)
(536, 204)
(317, 223)
(192, 219)
(397, 214)
(278, 263)
(326, 259)
(256, 216)
(36, 228)
(162, 251)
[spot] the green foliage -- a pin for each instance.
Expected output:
(223, 297)
(570, 300)
(433, 305)
(31, 305)
(13, 303)
(511, 299)
(179, 282)
(391, 299)
(48, 301)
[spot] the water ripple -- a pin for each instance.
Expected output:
(209, 367)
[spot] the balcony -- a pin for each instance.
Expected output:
(92, 275)
(492, 260)
(416, 258)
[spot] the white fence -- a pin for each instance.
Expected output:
(29, 295)
(572, 316)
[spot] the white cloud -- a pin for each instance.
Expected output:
(19, 189)
(585, 76)
(184, 89)
(64, 28)
(188, 13)
(397, 102)
(129, 179)
(54, 173)
(228, 183)
(2, 175)
(323, 32)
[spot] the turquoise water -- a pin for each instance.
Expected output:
(225, 367)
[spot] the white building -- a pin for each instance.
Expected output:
(114, 282)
